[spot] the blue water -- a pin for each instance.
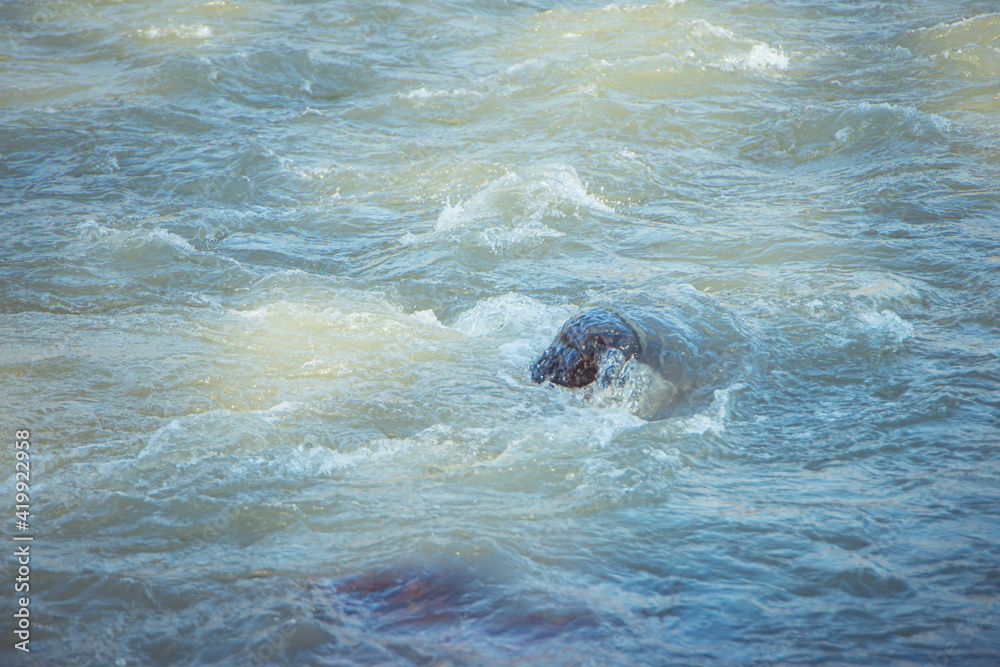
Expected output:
(272, 275)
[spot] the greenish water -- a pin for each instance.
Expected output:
(272, 275)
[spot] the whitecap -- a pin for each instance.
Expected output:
(280, 411)
(703, 28)
(713, 420)
(945, 28)
(499, 238)
(426, 317)
(566, 184)
(578, 428)
(183, 31)
(255, 313)
(760, 58)
(307, 461)
(423, 94)
(509, 314)
(763, 57)
(910, 114)
(538, 193)
(844, 135)
(171, 239)
(118, 239)
(519, 354)
(450, 216)
(220, 437)
(887, 323)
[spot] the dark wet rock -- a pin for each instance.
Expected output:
(656, 352)
(591, 346)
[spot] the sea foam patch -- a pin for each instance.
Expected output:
(512, 315)
(761, 58)
(178, 31)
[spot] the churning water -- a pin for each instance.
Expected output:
(272, 273)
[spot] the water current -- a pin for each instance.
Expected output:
(272, 273)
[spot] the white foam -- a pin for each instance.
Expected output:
(499, 238)
(520, 354)
(608, 423)
(713, 420)
(132, 238)
(888, 323)
(257, 313)
(579, 427)
(93, 229)
(450, 216)
(419, 93)
(280, 411)
(409, 238)
(564, 182)
(886, 286)
(704, 28)
(321, 461)
(511, 314)
(426, 317)
(201, 439)
(475, 207)
(534, 194)
(760, 58)
(940, 123)
(171, 239)
(844, 135)
(672, 456)
(422, 94)
(307, 173)
(630, 7)
(946, 27)
(643, 394)
(318, 174)
(422, 443)
(183, 31)
(527, 64)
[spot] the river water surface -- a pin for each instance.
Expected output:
(272, 274)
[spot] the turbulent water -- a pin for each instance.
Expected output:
(272, 274)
